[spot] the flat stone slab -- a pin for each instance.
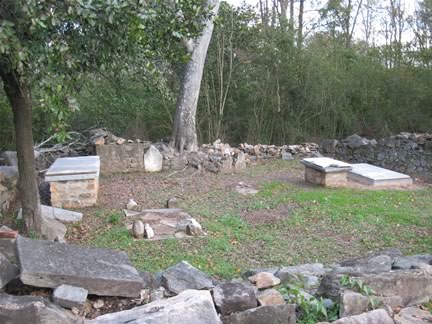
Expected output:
(102, 272)
(326, 165)
(189, 307)
(375, 176)
(60, 214)
(74, 168)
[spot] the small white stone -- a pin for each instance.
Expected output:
(131, 204)
(148, 231)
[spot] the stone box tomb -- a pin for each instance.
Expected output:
(325, 171)
(371, 175)
(74, 181)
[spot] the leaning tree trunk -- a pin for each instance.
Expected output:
(184, 136)
(18, 94)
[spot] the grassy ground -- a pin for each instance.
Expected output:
(292, 222)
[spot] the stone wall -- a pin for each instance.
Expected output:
(8, 187)
(74, 193)
(405, 152)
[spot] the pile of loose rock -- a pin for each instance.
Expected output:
(160, 223)
(384, 287)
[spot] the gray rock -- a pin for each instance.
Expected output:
(378, 316)
(287, 156)
(102, 272)
(310, 269)
(231, 297)
(328, 145)
(353, 303)
(328, 303)
(153, 160)
(411, 262)
(8, 271)
(330, 286)
(189, 307)
(157, 294)
(148, 280)
(10, 158)
(32, 309)
(373, 263)
(252, 272)
(355, 141)
(183, 276)
(413, 315)
(69, 296)
(274, 314)
(52, 229)
(410, 285)
(8, 249)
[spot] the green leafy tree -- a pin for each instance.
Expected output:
(50, 44)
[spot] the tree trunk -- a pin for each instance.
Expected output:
(18, 94)
(291, 19)
(300, 27)
(184, 136)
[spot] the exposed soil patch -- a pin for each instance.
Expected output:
(268, 216)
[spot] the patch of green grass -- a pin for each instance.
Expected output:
(114, 218)
(327, 225)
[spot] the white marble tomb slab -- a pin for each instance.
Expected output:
(326, 165)
(74, 168)
(375, 176)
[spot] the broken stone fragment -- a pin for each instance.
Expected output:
(353, 303)
(131, 204)
(270, 297)
(120, 141)
(183, 276)
(232, 296)
(69, 296)
(264, 280)
(138, 229)
(8, 271)
(281, 314)
(99, 141)
(7, 233)
(52, 229)
(148, 231)
(172, 203)
(102, 272)
(413, 315)
(194, 228)
(32, 309)
(378, 316)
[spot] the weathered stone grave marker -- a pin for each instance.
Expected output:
(375, 176)
(74, 182)
(325, 171)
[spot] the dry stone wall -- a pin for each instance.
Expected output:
(405, 152)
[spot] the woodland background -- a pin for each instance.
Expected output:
(269, 78)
